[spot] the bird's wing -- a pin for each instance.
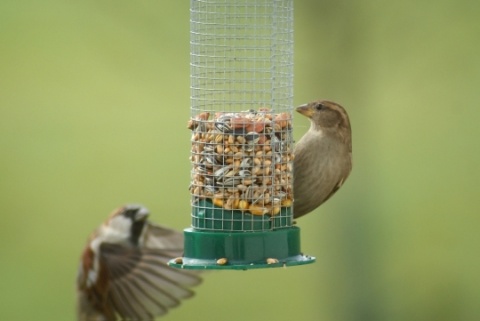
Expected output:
(162, 238)
(141, 284)
(334, 190)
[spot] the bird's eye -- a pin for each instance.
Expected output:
(319, 107)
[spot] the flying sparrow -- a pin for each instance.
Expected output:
(124, 273)
(323, 156)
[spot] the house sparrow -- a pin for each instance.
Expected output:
(323, 156)
(124, 273)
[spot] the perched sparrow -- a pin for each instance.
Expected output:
(323, 156)
(124, 273)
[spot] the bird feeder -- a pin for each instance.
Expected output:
(241, 188)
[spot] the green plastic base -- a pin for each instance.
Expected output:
(241, 250)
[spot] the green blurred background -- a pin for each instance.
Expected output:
(94, 97)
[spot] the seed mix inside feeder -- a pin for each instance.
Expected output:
(241, 63)
(242, 163)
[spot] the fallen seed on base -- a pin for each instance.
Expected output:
(271, 260)
(222, 261)
(178, 260)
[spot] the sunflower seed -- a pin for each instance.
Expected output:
(246, 163)
(220, 173)
(252, 137)
(244, 173)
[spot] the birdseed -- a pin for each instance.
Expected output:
(243, 160)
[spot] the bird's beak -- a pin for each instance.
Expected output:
(141, 214)
(305, 110)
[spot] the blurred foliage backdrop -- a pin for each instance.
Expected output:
(94, 99)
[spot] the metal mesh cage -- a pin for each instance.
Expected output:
(241, 114)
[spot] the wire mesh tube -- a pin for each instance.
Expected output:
(241, 110)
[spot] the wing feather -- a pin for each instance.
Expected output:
(142, 285)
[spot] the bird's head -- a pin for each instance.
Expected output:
(125, 225)
(325, 114)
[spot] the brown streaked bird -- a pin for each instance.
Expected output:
(123, 272)
(323, 156)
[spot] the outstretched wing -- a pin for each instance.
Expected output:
(141, 284)
(158, 237)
